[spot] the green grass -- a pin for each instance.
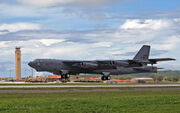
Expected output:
(96, 102)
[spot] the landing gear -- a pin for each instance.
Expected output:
(65, 78)
(103, 78)
(106, 77)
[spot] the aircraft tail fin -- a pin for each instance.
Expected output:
(143, 54)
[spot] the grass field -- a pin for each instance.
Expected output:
(157, 101)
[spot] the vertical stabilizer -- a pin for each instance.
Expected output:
(143, 54)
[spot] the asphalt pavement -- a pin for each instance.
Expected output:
(88, 86)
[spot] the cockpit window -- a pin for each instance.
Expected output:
(38, 64)
(37, 61)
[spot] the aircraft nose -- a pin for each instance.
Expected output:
(30, 64)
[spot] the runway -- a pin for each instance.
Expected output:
(82, 90)
(89, 86)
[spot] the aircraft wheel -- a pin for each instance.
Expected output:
(108, 78)
(103, 78)
(67, 76)
(62, 76)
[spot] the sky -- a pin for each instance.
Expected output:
(87, 30)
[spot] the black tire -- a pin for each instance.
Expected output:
(103, 78)
(67, 76)
(62, 76)
(108, 78)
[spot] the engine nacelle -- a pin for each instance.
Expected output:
(89, 65)
(119, 63)
(147, 69)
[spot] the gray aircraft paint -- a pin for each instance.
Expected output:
(139, 64)
(143, 54)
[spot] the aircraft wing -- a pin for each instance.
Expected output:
(95, 64)
(82, 64)
(71, 61)
(154, 61)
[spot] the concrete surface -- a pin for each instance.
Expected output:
(88, 86)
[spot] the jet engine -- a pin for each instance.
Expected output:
(89, 65)
(146, 69)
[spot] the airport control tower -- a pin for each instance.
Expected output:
(18, 63)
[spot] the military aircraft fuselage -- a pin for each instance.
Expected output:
(90, 67)
(139, 64)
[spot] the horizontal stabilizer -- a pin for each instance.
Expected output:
(154, 61)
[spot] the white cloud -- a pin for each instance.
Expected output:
(169, 44)
(44, 2)
(48, 42)
(16, 10)
(56, 2)
(103, 44)
(32, 49)
(97, 44)
(146, 24)
(71, 52)
(35, 43)
(3, 44)
(152, 33)
(19, 27)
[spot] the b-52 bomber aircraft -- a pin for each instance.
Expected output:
(65, 68)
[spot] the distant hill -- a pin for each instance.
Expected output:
(164, 73)
(169, 73)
